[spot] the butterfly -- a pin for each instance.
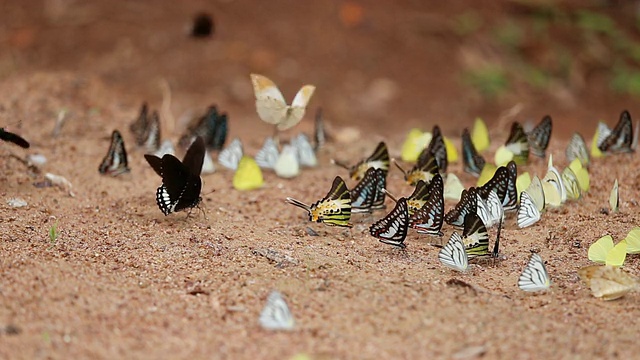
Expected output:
(417, 199)
(522, 182)
(487, 172)
(528, 213)
(468, 204)
(429, 218)
(539, 137)
(230, 156)
(319, 133)
(276, 314)
(267, 156)
(287, 165)
(473, 162)
(494, 209)
(582, 175)
(571, 185)
(480, 135)
(115, 162)
(516, 147)
(503, 183)
(248, 175)
(534, 277)
(272, 107)
(334, 209)
(608, 282)
(212, 127)
(453, 254)
(614, 198)
(553, 187)
(165, 148)
(633, 241)
(425, 169)
(604, 252)
(437, 149)
(146, 129)
(364, 193)
(620, 139)
(482, 210)
(536, 194)
(379, 160)
(181, 182)
(14, 138)
(392, 229)
(304, 151)
(602, 132)
(577, 149)
(453, 187)
(414, 144)
(475, 236)
(381, 195)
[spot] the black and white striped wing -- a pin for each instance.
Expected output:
(392, 229)
(430, 217)
(267, 156)
(535, 276)
(539, 137)
(230, 156)
(453, 254)
(528, 213)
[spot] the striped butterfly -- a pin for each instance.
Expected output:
(539, 137)
(534, 277)
(437, 148)
(621, 138)
(272, 107)
(429, 218)
(212, 127)
(517, 145)
(425, 169)
(417, 199)
(453, 254)
(571, 185)
(334, 209)
(380, 194)
(276, 314)
(364, 193)
(304, 151)
(503, 183)
(475, 236)
(528, 213)
(115, 162)
(230, 156)
(494, 208)
(483, 211)
(614, 198)
(267, 156)
(378, 160)
(393, 228)
(472, 160)
(577, 149)
(467, 204)
(146, 130)
(287, 165)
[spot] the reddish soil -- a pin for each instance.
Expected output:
(124, 281)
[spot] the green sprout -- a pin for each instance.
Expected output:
(53, 233)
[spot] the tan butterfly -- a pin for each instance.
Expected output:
(608, 282)
(272, 107)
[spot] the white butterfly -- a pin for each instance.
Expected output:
(494, 205)
(268, 155)
(603, 132)
(304, 150)
(230, 156)
(577, 149)
(614, 197)
(453, 254)
(534, 276)
(528, 213)
(165, 148)
(276, 314)
(272, 107)
(483, 212)
(287, 165)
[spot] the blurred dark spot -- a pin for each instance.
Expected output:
(12, 329)
(202, 26)
(604, 211)
(577, 244)
(311, 232)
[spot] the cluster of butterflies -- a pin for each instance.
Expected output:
(500, 191)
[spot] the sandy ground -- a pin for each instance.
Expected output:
(124, 281)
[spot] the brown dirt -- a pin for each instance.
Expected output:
(124, 281)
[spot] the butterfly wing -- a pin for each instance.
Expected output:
(633, 241)
(380, 194)
(14, 138)
(528, 213)
(319, 133)
(536, 193)
(335, 208)
(598, 250)
(518, 144)
(268, 154)
(363, 194)
(230, 156)
(480, 135)
(453, 254)
(180, 185)
(438, 148)
(608, 282)
(393, 228)
(155, 163)
(304, 151)
(475, 236)
(539, 137)
(534, 277)
(617, 255)
(296, 111)
(577, 149)
(115, 162)
(621, 138)
(472, 160)
(614, 197)
(276, 314)
(287, 165)
(194, 157)
(467, 204)
(429, 218)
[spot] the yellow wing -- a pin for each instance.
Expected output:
(486, 174)
(480, 135)
(582, 174)
(536, 193)
(452, 152)
(453, 188)
(415, 142)
(522, 182)
(598, 250)
(633, 241)
(248, 176)
(617, 255)
(608, 282)
(503, 156)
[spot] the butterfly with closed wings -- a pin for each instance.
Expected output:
(534, 277)
(577, 149)
(212, 127)
(516, 147)
(475, 236)
(392, 229)
(429, 218)
(417, 199)
(539, 137)
(146, 130)
(425, 169)
(181, 183)
(468, 204)
(437, 149)
(453, 254)
(276, 314)
(621, 138)
(272, 107)
(230, 156)
(334, 209)
(472, 160)
(378, 160)
(364, 193)
(115, 162)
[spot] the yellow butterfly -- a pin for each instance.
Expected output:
(522, 182)
(536, 193)
(602, 132)
(452, 152)
(516, 147)
(488, 170)
(570, 182)
(604, 252)
(608, 282)
(614, 197)
(248, 176)
(582, 174)
(414, 144)
(334, 209)
(272, 107)
(480, 135)
(633, 241)
(554, 192)
(453, 188)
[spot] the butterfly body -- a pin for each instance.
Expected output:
(14, 138)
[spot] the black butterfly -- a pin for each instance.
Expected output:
(539, 137)
(181, 182)
(115, 162)
(473, 161)
(620, 140)
(503, 183)
(364, 193)
(468, 204)
(393, 228)
(429, 218)
(146, 129)
(437, 148)
(510, 201)
(212, 127)
(518, 144)
(16, 139)
(319, 134)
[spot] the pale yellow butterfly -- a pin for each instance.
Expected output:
(415, 142)
(536, 193)
(272, 107)
(633, 241)
(570, 182)
(604, 252)
(582, 174)
(614, 197)
(480, 135)
(608, 282)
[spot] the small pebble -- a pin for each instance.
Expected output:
(16, 203)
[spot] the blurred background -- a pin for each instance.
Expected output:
(379, 65)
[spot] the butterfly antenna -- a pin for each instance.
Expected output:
(339, 164)
(298, 204)
(390, 195)
(399, 167)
